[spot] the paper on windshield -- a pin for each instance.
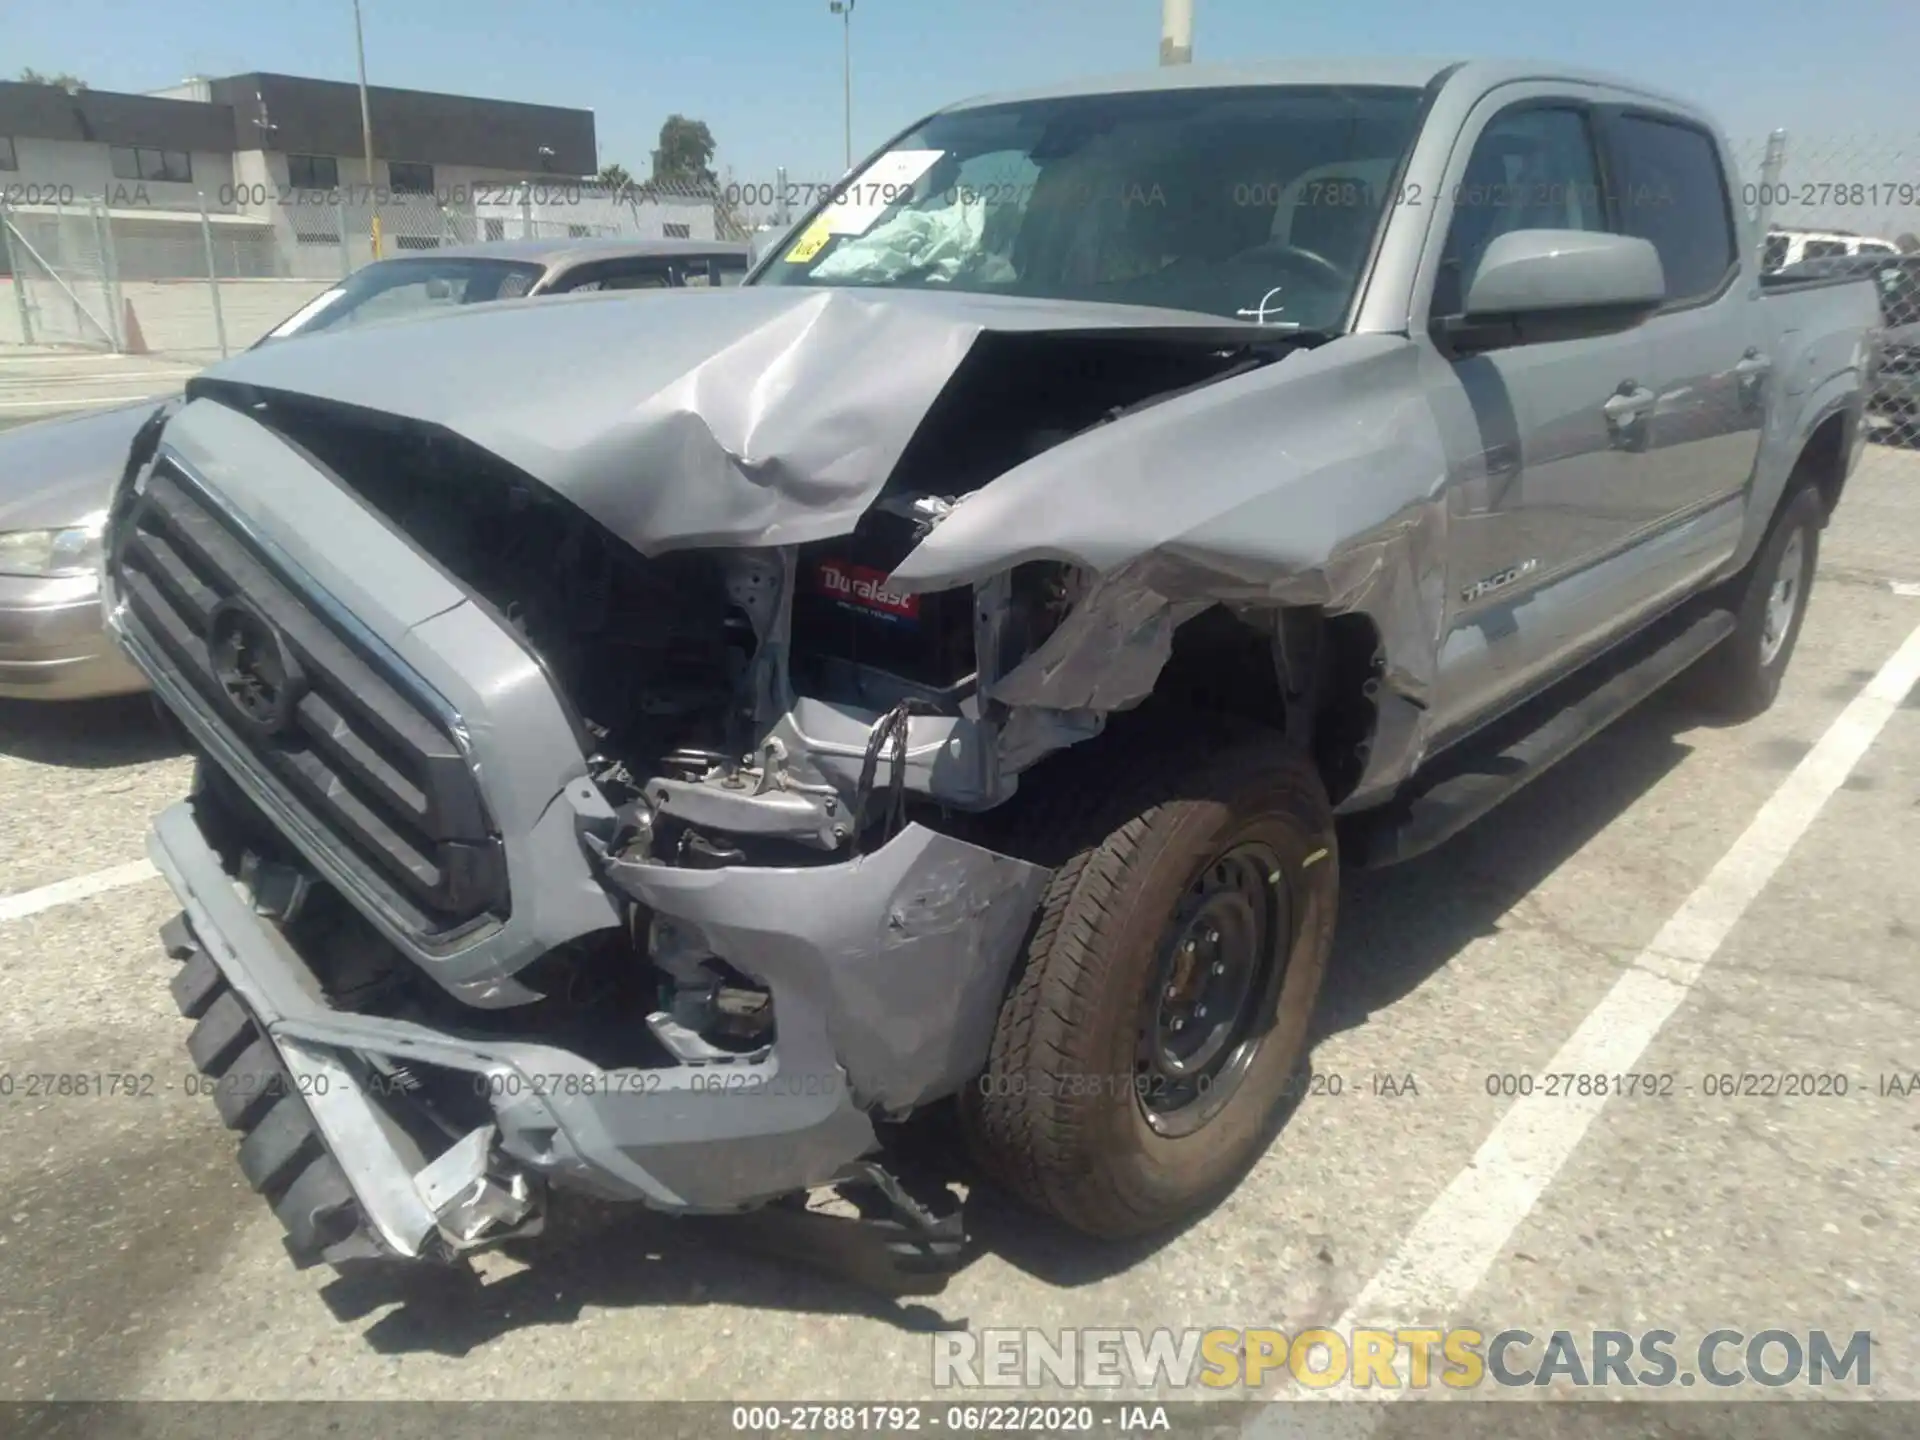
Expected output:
(869, 193)
(811, 242)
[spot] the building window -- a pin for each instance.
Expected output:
(578, 232)
(311, 236)
(8, 160)
(313, 172)
(416, 242)
(677, 232)
(139, 163)
(496, 229)
(408, 177)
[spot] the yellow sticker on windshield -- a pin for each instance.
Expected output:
(811, 242)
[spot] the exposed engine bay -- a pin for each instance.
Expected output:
(746, 703)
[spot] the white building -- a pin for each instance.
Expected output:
(276, 164)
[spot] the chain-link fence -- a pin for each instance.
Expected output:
(143, 281)
(202, 284)
(1851, 204)
(1837, 187)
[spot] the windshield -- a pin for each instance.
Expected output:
(389, 289)
(1254, 203)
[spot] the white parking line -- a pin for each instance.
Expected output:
(1451, 1247)
(81, 887)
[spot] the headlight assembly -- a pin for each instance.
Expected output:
(72, 550)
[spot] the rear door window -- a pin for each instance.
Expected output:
(1672, 192)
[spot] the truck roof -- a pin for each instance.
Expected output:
(1410, 72)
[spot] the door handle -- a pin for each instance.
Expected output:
(1624, 410)
(1628, 404)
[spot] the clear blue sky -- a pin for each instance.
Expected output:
(766, 76)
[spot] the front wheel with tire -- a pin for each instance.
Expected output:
(1741, 676)
(1157, 1023)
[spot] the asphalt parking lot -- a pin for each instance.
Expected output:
(134, 1262)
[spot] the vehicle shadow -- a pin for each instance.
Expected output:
(1398, 927)
(87, 734)
(607, 1257)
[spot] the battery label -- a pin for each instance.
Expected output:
(864, 588)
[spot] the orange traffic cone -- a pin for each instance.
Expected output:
(132, 341)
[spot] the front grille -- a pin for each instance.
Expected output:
(365, 761)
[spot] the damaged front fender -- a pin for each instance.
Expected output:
(1318, 481)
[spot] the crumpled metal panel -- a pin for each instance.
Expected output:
(774, 416)
(1318, 480)
(756, 416)
(895, 962)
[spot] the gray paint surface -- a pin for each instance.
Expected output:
(55, 472)
(1564, 270)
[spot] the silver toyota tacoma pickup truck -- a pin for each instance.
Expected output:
(651, 746)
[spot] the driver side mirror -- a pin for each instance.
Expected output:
(439, 288)
(1533, 286)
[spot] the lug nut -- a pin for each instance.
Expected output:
(1173, 992)
(1219, 967)
(1199, 1012)
(1179, 1023)
(1189, 948)
(1213, 937)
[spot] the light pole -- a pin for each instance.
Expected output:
(844, 9)
(366, 125)
(1176, 32)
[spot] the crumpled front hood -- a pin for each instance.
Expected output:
(756, 416)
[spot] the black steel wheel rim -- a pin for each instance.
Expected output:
(1214, 988)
